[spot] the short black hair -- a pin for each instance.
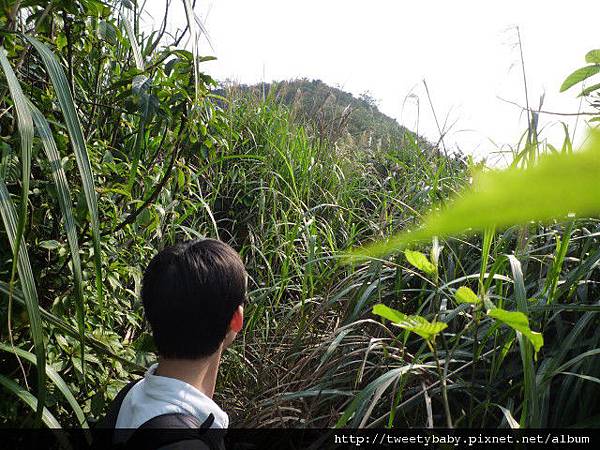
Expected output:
(190, 291)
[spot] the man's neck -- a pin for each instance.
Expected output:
(200, 373)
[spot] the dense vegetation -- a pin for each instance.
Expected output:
(115, 144)
(338, 116)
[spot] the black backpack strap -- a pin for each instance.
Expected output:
(173, 428)
(177, 420)
(109, 421)
(103, 437)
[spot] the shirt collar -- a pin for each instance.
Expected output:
(186, 396)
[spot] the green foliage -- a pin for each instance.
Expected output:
(420, 261)
(56, 379)
(83, 99)
(579, 75)
(417, 324)
(30, 400)
(593, 57)
(291, 181)
(65, 100)
(518, 321)
(334, 115)
(465, 295)
(582, 74)
(558, 185)
(15, 227)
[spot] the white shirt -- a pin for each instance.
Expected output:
(155, 395)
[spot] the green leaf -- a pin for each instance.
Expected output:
(388, 313)
(135, 48)
(465, 295)
(420, 261)
(56, 379)
(529, 414)
(558, 185)
(417, 324)
(579, 75)
(107, 32)
(64, 199)
(49, 245)
(60, 41)
(593, 57)
(583, 377)
(30, 400)
(65, 100)
(421, 326)
(14, 227)
(588, 90)
(519, 322)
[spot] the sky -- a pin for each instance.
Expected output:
(467, 53)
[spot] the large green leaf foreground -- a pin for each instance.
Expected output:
(558, 185)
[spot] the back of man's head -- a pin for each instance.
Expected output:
(190, 292)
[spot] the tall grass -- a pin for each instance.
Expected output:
(135, 150)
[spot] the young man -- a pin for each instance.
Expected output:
(193, 295)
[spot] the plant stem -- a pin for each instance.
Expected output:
(445, 401)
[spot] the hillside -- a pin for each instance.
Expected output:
(338, 115)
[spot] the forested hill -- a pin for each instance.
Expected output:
(339, 115)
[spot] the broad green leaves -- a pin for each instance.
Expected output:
(593, 57)
(557, 186)
(465, 295)
(519, 322)
(428, 330)
(417, 324)
(388, 313)
(583, 73)
(578, 76)
(420, 261)
(107, 32)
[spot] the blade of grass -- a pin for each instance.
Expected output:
(189, 12)
(14, 228)
(56, 379)
(488, 238)
(135, 48)
(30, 400)
(552, 278)
(357, 408)
(65, 100)
(529, 415)
(64, 199)
(25, 126)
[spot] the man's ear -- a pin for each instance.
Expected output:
(237, 320)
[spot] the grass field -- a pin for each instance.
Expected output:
(115, 144)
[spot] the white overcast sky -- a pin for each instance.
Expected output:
(465, 50)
